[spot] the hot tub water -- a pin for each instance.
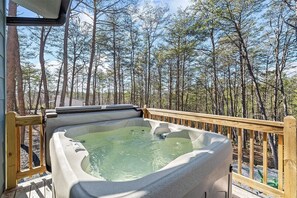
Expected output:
(130, 153)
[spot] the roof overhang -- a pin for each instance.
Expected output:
(53, 11)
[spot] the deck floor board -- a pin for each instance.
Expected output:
(42, 188)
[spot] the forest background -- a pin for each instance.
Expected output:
(226, 57)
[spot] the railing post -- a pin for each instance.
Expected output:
(290, 173)
(11, 150)
(145, 112)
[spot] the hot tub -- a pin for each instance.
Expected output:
(93, 159)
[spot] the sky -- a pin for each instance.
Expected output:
(174, 5)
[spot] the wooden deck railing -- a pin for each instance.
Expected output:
(15, 125)
(284, 131)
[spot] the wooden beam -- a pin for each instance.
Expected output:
(229, 134)
(28, 120)
(239, 147)
(257, 185)
(33, 171)
(18, 146)
(30, 146)
(252, 158)
(203, 126)
(189, 123)
(280, 162)
(213, 119)
(211, 127)
(196, 125)
(145, 112)
(220, 129)
(41, 145)
(290, 177)
(220, 117)
(265, 157)
(11, 150)
(184, 122)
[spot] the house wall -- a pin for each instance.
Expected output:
(2, 94)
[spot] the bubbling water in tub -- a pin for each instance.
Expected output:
(130, 153)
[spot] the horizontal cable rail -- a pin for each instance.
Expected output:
(285, 133)
(17, 128)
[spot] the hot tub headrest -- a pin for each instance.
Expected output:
(95, 108)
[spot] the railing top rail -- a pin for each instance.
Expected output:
(220, 117)
(28, 120)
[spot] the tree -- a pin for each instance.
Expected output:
(65, 60)
(238, 18)
(65, 54)
(43, 38)
(78, 39)
(152, 18)
(11, 64)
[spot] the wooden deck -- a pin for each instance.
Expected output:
(42, 188)
(36, 188)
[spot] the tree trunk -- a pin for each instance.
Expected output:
(95, 84)
(283, 64)
(170, 86)
(58, 85)
(149, 72)
(43, 39)
(282, 90)
(214, 65)
(177, 104)
(134, 87)
(115, 83)
(132, 83)
(65, 61)
(38, 96)
(260, 102)
(29, 92)
(99, 91)
(132, 70)
(206, 92)
(92, 55)
(72, 77)
(119, 76)
(183, 84)
(123, 85)
(230, 93)
(243, 93)
(160, 85)
(21, 101)
(11, 68)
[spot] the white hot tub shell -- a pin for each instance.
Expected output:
(204, 172)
